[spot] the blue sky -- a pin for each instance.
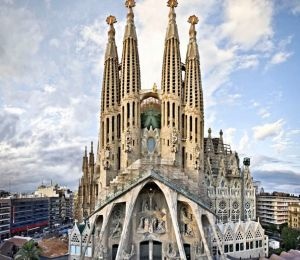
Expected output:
(51, 64)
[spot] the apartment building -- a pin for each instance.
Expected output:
(294, 215)
(29, 214)
(274, 208)
(4, 218)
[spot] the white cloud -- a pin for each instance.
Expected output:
(248, 22)
(264, 113)
(20, 41)
(268, 130)
(54, 42)
(280, 57)
(229, 137)
(14, 110)
(49, 89)
(244, 142)
(295, 6)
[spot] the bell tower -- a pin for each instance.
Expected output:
(130, 90)
(171, 85)
(108, 159)
(193, 113)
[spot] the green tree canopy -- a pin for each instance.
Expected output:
(290, 238)
(29, 251)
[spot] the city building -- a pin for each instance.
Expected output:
(61, 202)
(294, 215)
(156, 188)
(29, 215)
(274, 208)
(4, 219)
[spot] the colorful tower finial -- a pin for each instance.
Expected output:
(111, 20)
(130, 3)
(193, 19)
(172, 3)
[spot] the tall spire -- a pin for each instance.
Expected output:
(111, 49)
(110, 99)
(110, 87)
(130, 75)
(171, 85)
(171, 74)
(172, 30)
(130, 89)
(193, 88)
(130, 28)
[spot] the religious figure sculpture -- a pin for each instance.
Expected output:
(174, 141)
(128, 145)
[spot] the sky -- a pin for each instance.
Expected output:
(51, 66)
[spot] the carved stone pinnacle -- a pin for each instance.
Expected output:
(111, 20)
(130, 3)
(193, 19)
(172, 3)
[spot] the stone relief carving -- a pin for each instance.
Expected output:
(127, 256)
(174, 141)
(106, 161)
(128, 141)
(151, 225)
(151, 219)
(186, 220)
(171, 251)
(199, 249)
(117, 220)
(100, 252)
(197, 156)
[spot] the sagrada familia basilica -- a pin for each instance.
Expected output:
(156, 188)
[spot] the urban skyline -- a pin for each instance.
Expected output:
(52, 65)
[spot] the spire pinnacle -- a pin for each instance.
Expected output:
(130, 3)
(172, 3)
(130, 28)
(85, 151)
(110, 21)
(111, 51)
(193, 20)
(172, 27)
(91, 147)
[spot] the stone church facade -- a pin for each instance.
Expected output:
(156, 188)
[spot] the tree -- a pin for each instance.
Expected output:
(290, 238)
(29, 251)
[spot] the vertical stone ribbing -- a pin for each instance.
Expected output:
(130, 90)
(193, 111)
(171, 85)
(107, 158)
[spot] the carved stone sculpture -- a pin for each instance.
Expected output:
(127, 256)
(174, 141)
(128, 142)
